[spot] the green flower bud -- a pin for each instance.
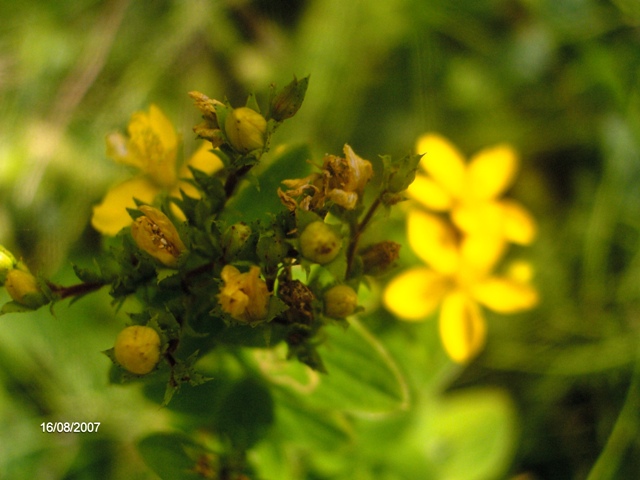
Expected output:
(137, 349)
(7, 263)
(340, 301)
(245, 129)
(23, 288)
(155, 234)
(320, 243)
(234, 239)
(289, 100)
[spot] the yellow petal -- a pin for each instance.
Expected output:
(415, 294)
(153, 140)
(433, 241)
(117, 149)
(110, 216)
(443, 162)
(163, 128)
(481, 252)
(519, 225)
(204, 160)
(504, 295)
(462, 327)
(480, 217)
(431, 194)
(491, 172)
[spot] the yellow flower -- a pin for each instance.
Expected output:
(151, 148)
(471, 191)
(244, 296)
(459, 280)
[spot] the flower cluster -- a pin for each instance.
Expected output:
(460, 226)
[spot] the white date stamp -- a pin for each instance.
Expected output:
(70, 427)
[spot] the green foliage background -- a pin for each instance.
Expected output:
(555, 395)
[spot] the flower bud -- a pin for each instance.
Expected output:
(234, 239)
(137, 349)
(245, 129)
(288, 101)
(244, 296)
(7, 263)
(155, 234)
(340, 301)
(23, 288)
(320, 243)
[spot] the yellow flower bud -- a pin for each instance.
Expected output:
(340, 301)
(244, 296)
(23, 288)
(320, 243)
(137, 349)
(155, 234)
(245, 129)
(7, 263)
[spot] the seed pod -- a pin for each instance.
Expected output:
(320, 243)
(137, 349)
(245, 129)
(155, 234)
(23, 288)
(340, 301)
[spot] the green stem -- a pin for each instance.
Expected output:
(355, 238)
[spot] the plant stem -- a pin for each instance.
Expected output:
(74, 290)
(355, 238)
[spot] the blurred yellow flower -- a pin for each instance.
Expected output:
(457, 278)
(151, 147)
(471, 191)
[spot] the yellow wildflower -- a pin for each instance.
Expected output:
(244, 296)
(457, 279)
(151, 147)
(471, 191)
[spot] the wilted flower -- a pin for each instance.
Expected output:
(154, 233)
(209, 129)
(341, 181)
(458, 279)
(151, 147)
(379, 257)
(244, 296)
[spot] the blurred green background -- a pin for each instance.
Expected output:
(559, 79)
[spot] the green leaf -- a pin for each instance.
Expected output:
(471, 434)
(246, 413)
(362, 377)
(172, 455)
(310, 427)
(249, 203)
